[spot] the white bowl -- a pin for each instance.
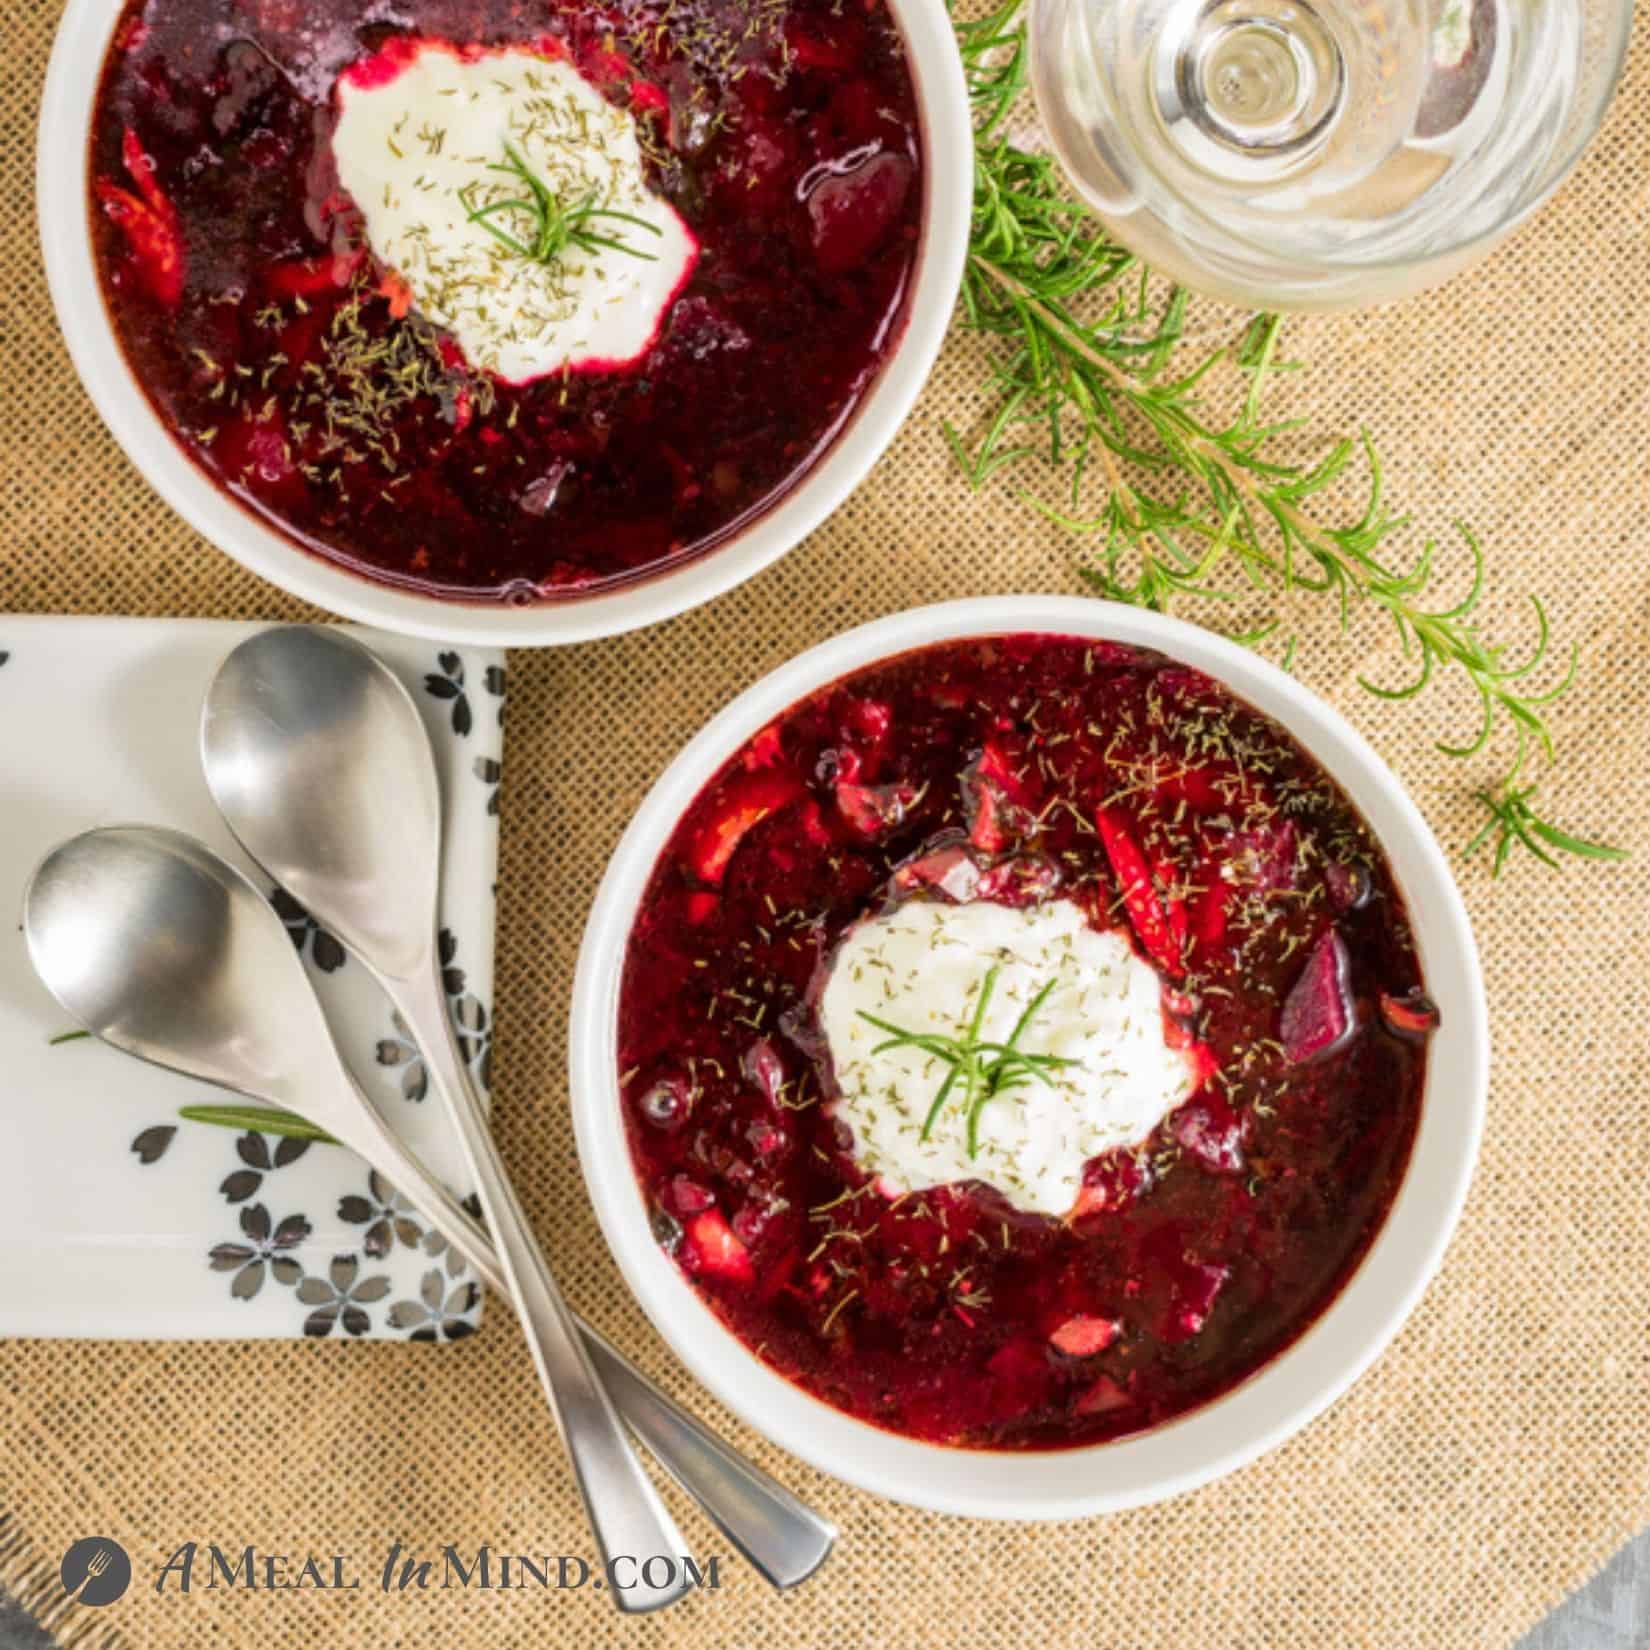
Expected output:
(1284, 1394)
(62, 191)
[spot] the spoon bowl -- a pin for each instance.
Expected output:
(157, 946)
(317, 757)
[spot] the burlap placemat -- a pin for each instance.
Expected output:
(1497, 1453)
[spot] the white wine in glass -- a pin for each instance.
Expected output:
(1320, 154)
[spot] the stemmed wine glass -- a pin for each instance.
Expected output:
(1320, 154)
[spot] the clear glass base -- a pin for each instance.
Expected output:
(1247, 89)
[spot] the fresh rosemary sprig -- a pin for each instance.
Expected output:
(260, 1119)
(1514, 823)
(1195, 505)
(554, 227)
(985, 1069)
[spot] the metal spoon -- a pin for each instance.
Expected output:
(322, 767)
(317, 759)
(159, 947)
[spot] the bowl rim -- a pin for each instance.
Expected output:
(1284, 1394)
(64, 223)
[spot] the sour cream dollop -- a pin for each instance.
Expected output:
(419, 142)
(921, 967)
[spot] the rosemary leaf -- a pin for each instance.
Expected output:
(986, 1069)
(553, 226)
(261, 1119)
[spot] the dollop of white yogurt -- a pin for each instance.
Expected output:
(419, 146)
(921, 966)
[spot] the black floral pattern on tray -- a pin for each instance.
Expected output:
(338, 1299)
(489, 770)
(150, 1144)
(341, 1298)
(400, 1053)
(257, 1160)
(436, 1246)
(265, 1248)
(390, 1220)
(442, 1312)
(388, 1217)
(475, 1037)
(325, 951)
(447, 682)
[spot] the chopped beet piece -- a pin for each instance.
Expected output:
(854, 212)
(1318, 1014)
(701, 906)
(1140, 898)
(746, 803)
(149, 223)
(710, 1247)
(310, 277)
(1101, 1398)
(687, 1196)
(1349, 885)
(1208, 787)
(1109, 1182)
(1212, 1132)
(1196, 1286)
(995, 797)
(762, 1065)
(1082, 1337)
(1207, 920)
(951, 870)
(1166, 874)
(873, 810)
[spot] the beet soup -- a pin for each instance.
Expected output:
(1021, 1041)
(506, 303)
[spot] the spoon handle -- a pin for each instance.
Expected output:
(630, 1521)
(783, 1539)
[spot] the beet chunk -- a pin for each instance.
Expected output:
(852, 212)
(1318, 1016)
(1212, 1132)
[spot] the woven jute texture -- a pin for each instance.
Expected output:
(1489, 1462)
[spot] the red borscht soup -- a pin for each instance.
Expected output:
(1021, 1041)
(506, 303)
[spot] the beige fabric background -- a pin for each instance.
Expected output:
(1492, 1459)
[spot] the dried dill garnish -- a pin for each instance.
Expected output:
(366, 376)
